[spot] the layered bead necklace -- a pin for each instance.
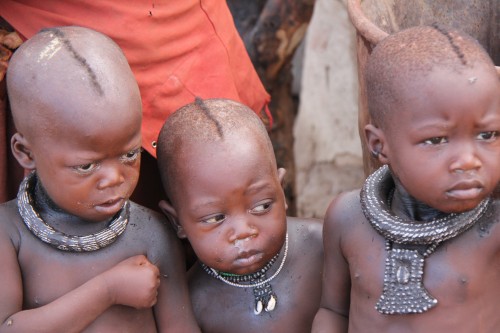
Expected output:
(264, 296)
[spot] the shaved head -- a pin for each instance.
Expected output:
(412, 54)
(67, 74)
(203, 122)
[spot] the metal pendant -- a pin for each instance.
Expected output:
(404, 291)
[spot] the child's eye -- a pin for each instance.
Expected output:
(436, 140)
(131, 156)
(86, 168)
(214, 219)
(262, 208)
(487, 136)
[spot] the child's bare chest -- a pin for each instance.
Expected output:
(234, 312)
(49, 273)
(460, 274)
(297, 290)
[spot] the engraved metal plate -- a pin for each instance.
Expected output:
(404, 291)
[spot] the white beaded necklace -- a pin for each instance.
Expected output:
(265, 298)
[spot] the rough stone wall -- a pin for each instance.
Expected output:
(327, 145)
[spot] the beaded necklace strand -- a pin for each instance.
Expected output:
(265, 298)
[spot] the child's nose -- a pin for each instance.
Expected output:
(111, 176)
(242, 230)
(466, 160)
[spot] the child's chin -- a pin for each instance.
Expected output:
(460, 207)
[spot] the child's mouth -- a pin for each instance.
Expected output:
(111, 206)
(465, 192)
(248, 258)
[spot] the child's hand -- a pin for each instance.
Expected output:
(133, 282)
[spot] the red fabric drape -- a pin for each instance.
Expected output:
(177, 49)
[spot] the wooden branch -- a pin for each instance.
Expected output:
(363, 25)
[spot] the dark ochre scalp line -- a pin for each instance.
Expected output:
(201, 104)
(454, 46)
(81, 60)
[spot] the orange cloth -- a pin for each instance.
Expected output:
(177, 49)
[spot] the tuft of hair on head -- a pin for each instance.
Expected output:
(204, 121)
(413, 53)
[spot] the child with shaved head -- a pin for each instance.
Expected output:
(76, 254)
(258, 270)
(418, 248)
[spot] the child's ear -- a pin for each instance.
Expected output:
(171, 215)
(281, 177)
(21, 150)
(375, 140)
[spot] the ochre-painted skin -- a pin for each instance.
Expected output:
(444, 148)
(85, 148)
(229, 202)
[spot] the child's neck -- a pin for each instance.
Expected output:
(62, 230)
(58, 218)
(42, 201)
(403, 204)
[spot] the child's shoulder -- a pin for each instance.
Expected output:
(8, 208)
(149, 224)
(11, 225)
(154, 232)
(344, 204)
(305, 235)
(9, 214)
(306, 228)
(343, 209)
(146, 216)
